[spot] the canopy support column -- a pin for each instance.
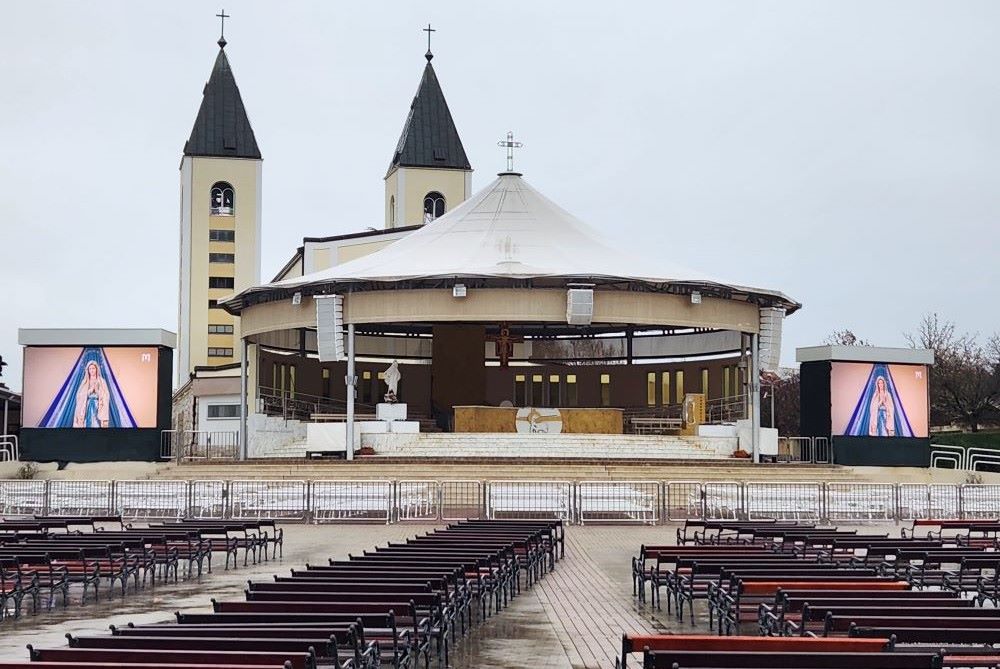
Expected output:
(244, 352)
(755, 395)
(350, 380)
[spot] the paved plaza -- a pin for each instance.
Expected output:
(573, 618)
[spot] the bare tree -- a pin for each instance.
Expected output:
(787, 409)
(846, 338)
(933, 333)
(965, 379)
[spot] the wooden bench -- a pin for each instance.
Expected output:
(638, 643)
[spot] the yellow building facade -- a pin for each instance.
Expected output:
(220, 223)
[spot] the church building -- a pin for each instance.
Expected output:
(221, 177)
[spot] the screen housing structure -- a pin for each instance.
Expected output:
(817, 401)
(109, 444)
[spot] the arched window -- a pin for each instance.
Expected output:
(433, 206)
(392, 211)
(223, 200)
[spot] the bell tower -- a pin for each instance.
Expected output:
(429, 173)
(220, 222)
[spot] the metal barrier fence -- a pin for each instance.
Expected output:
(287, 500)
(784, 501)
(351, 500)
(462, 499)
(860, 501)
(151, 499)
(23, 498)
(78, 498)
(199, 445)
(683, 500)
(429, 501)
(534, 500)
(208, 499)
(618, 501)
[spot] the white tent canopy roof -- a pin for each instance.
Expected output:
(508, 230)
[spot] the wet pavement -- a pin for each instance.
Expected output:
(571, 619)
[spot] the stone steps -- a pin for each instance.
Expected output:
(499, 468)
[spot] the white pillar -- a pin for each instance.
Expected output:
(243, 398)
(755, 395)
(350, 382)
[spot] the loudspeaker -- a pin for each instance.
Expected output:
(769, 343)
(579, 306)
(330, 328)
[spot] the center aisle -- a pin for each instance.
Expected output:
(588, 598)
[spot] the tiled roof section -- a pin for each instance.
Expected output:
(222, 127)
(429, 137)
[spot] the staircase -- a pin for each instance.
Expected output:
(480, 469)
(563, 446)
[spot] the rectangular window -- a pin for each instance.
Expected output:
(665, 388)
(220, 329)
(223, 410)
(704, 383)
(520, 393)
(605, 390)
(222, 235)
(571, 396)
(213, 304)
(218, 352)
(554, 391)
(537, 400)
(726, 389)
(679, 385)
(220, 282)
(367, 388)
(326, 383)
(651, 389)
(222, 257)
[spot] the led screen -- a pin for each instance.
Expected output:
(878, 400)
(90, 387)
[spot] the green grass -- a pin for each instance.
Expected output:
(968, 439)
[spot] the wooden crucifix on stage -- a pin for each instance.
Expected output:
(504, 344)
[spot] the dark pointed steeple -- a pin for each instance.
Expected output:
(222, 128)
(429, 137)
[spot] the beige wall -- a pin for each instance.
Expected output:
(353, 251)
(409, 185)
(493, 305)
(198, 175)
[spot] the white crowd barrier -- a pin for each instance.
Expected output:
(390, 501)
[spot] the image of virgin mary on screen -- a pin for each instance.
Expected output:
(90, 396)
(879, 412)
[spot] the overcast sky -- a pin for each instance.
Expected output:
(846, 153)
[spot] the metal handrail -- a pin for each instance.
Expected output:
(10, 450)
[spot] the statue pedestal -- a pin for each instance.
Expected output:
(390, 412)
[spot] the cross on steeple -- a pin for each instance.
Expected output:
(429, 30)
(222, 31)
(510, 144)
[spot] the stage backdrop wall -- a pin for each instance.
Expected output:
(823, 415)
(143, 401)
